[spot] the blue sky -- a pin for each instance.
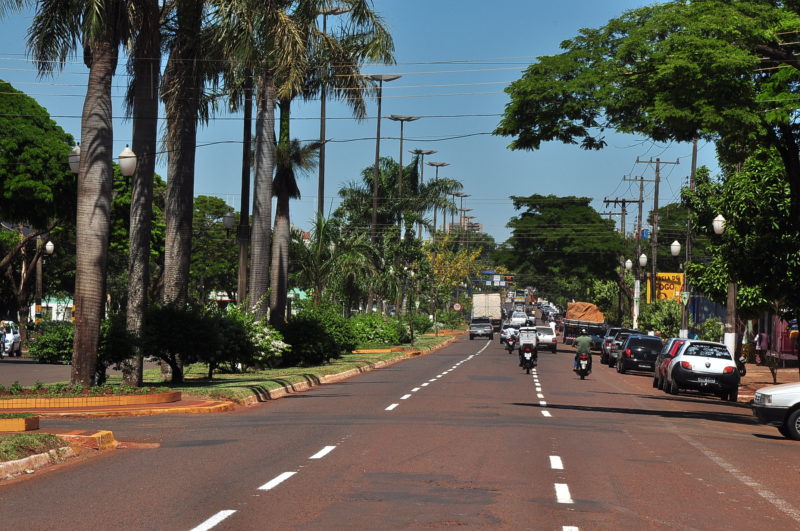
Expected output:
(455, 58)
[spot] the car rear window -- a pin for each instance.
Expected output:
(708, 351)
(480, 320)
(544, 329)
(649, 343)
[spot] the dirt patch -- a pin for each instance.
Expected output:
(584, 311)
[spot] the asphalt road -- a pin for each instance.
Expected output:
(460, 438)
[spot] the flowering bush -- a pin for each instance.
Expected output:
(371, 328)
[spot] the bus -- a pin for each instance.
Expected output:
(520, 295)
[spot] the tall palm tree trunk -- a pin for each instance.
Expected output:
(244, 210)
(146, 71)
(279, 269)
(181, 141)
(262, 192)
(94, 208)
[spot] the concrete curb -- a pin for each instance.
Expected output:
(291, 389)
(217, 407)
(9, 469)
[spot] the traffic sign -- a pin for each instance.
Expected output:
(685, 297)
(457, 307)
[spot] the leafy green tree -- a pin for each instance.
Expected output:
(759, 249)
(723, 70)
(561, 244)
(214, 256)
(663, 316)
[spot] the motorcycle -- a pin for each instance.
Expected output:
(583, 366)
(529, 358)
(511, 343)
(740, 365)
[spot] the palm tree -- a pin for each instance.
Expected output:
(144, 66)
(331, 261)
(261, 38)
(189, 66)
(98, 27)
(336, 61)
(290, 158)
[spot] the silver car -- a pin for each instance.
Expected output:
(11, 339)
(547, 338)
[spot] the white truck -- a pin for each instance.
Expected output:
(488, 305)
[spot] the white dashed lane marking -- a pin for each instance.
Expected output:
(391, 407)
(405, 397)
(556, 463)
(542, 403)
(562, 493)
(271, 484)
(539, 395)
(213, 521)
(322, 453)
(546, 414)
(415, 390)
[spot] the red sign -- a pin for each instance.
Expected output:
(457, 307)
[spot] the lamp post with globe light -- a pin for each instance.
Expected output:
(637, 290)
(719, 225)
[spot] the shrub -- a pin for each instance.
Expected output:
(53, 343)
(317, 334)
(179, 336)
(450, 319)
(246, 341)
(711, 329)
(663, 316)
(422, 324)
(370, 328)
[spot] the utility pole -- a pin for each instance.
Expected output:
(654, 238)
(624, 204)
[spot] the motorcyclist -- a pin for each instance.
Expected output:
(583, 345)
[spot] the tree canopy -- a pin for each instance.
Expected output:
(560, 244)
(36, 185)
(724, 70)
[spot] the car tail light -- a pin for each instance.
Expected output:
(728, 370)
(555, 340)
(686, 365)
(584, 357)
(627, 352)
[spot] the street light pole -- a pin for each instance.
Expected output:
(402, 119)
(421, 154)
(336, 10)
(380, 78)
(436, 165)
(730, 317)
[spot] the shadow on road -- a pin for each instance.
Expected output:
(733, 418)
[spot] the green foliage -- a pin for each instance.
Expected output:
(318, 333)
(605, 295)
(178, 336)
(662, 316)
(422, 324)
(53, 343)
(371, 328)
(711, 329)
(450, 320)
(759, 249)
(215, 254)
(36, 186)
(561, 245)
(244, 341)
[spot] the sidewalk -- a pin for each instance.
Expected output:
(759, 376)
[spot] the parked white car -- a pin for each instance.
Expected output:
(11, 339)
(779, 406)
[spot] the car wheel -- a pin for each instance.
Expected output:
(471, 337)
(783, 431)
(672, 387)
(491, 337)
(621, 367)
(655, 382)
(611, 363)
(555, 349)
(603, 359)
(793, 425)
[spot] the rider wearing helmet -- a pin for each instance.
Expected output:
(583, 345)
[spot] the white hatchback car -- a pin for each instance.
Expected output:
(779, 406)
(547, 338)
(705, 366)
